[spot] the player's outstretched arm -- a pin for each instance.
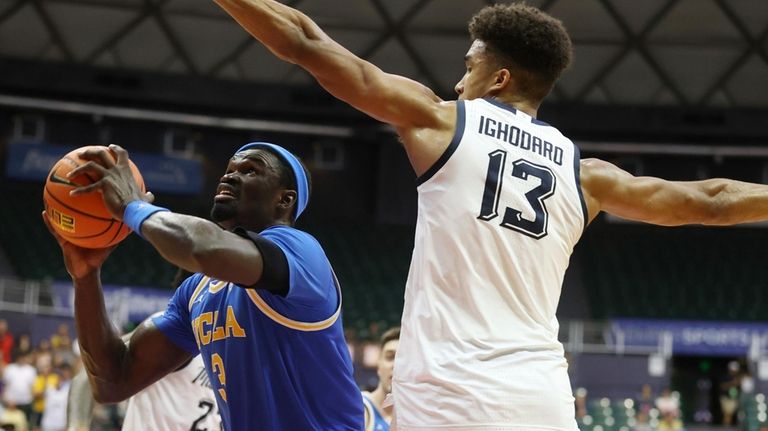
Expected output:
(670, 203)
(115, 371)
(294, 37)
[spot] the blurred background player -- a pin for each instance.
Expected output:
(6, 343)
(181, 401)
(18, 380)
(270, 335)
(377, 418)
(503, 199)
(46, 377)
(56, 397)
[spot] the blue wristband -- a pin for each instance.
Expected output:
(138, 211)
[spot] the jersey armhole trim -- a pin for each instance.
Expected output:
(203, 282)
(577, 175)
(270, 312)
(457, 135)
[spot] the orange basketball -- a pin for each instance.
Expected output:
(82, 220)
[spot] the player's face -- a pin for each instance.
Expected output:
(479, 76)
(387, 364)
(249, 192)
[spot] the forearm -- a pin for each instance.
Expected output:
(736, 202)
(102, 351)
(283, 30)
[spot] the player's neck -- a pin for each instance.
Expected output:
(377, 396)
(518, 103)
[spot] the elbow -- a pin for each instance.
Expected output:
(719, 206)
(103, 398)
(716, 210)
(103, 395)
(718, 214)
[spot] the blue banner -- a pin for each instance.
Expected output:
(33, 161)
(690, 337)
(124, 303)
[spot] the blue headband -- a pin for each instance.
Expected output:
(302, 184)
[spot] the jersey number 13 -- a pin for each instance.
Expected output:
(536, 197)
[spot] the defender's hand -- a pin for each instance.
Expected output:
(80, 262)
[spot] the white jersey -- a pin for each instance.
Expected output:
(55, 414)
(499, 215)
(182, 400)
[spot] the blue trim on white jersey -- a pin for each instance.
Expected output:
(513, 110)
(577, 174)
(458, 134)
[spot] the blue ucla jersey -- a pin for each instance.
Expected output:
(275, 362)
(374, 421)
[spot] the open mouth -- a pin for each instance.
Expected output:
(225, 192)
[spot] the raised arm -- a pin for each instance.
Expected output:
(294, 37)
(115, 371)
(670, 203)
(424, 122)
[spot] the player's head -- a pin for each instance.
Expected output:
(516, 49)
(389, 341)
(65, 371)
(264, 185)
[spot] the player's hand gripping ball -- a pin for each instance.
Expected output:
(83, 219)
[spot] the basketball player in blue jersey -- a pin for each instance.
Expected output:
(377, 418)
(503, 198)
(262, 307)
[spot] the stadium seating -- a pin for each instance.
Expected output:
(693, 273)
(372, 265)
(608, 415)
(753, 413)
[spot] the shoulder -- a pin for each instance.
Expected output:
(594, 164)
(426, 144)
(598, 172)
(292, 240)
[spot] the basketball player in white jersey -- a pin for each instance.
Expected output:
(503, 199)
(181, 401)
(377, 417)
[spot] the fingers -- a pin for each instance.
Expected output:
(100, 155)
(96, 170)
(53, 232)
(86, 189)
(122, 155)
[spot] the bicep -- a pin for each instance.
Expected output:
(645, 199)
(231, 257)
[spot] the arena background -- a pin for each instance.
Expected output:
(670, 88)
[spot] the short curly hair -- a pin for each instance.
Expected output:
(532, 43)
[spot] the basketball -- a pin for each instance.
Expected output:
(82, 220)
